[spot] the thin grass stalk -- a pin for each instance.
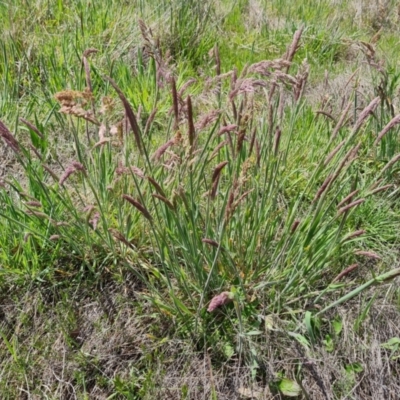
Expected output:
(252, 141)
(211, 242)
(348, 198)
(394, 121)
(162, 149)
(374, 281)
(86, 53)
(354, 235)
(218, 148)
(350, 206)
(234, 110)
(341, 121)
(364, 115)
(35, 151)
(130, 114)
(277, 140)
(164, 200)
(175, 103)
(239, 200)
(149, 121)
(191, 129)
(333, 153)
(390, 164)
(239, 141)
(156, 186)
(138, 206)
(326, 114)
(369, 254)
(215, 178)
(10, 140)
(348, 158)
(345, 272)
(32, 127)
(379, 189)
(291, 51)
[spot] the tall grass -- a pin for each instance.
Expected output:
(223, 205)
(204, 166)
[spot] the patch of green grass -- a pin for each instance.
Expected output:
(243, 208)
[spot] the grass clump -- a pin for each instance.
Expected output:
(230, 217)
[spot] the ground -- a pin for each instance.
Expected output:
(199, 200)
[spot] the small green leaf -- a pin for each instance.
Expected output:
(269, 323)
(328, 342)
(391, 344)
(289, 388)
(179, 304)
(253, 333)
(337, 326)
(228, 350)
(309, 325)
(253, 368)
(354, 367)
(301, 339)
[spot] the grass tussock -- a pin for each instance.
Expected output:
(178, 223)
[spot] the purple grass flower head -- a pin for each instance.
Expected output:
(72, 168)
(95, 220)
(220, 300)
(10, 140)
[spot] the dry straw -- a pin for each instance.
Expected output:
(73, 102)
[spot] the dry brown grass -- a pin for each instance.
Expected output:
(106, 336)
